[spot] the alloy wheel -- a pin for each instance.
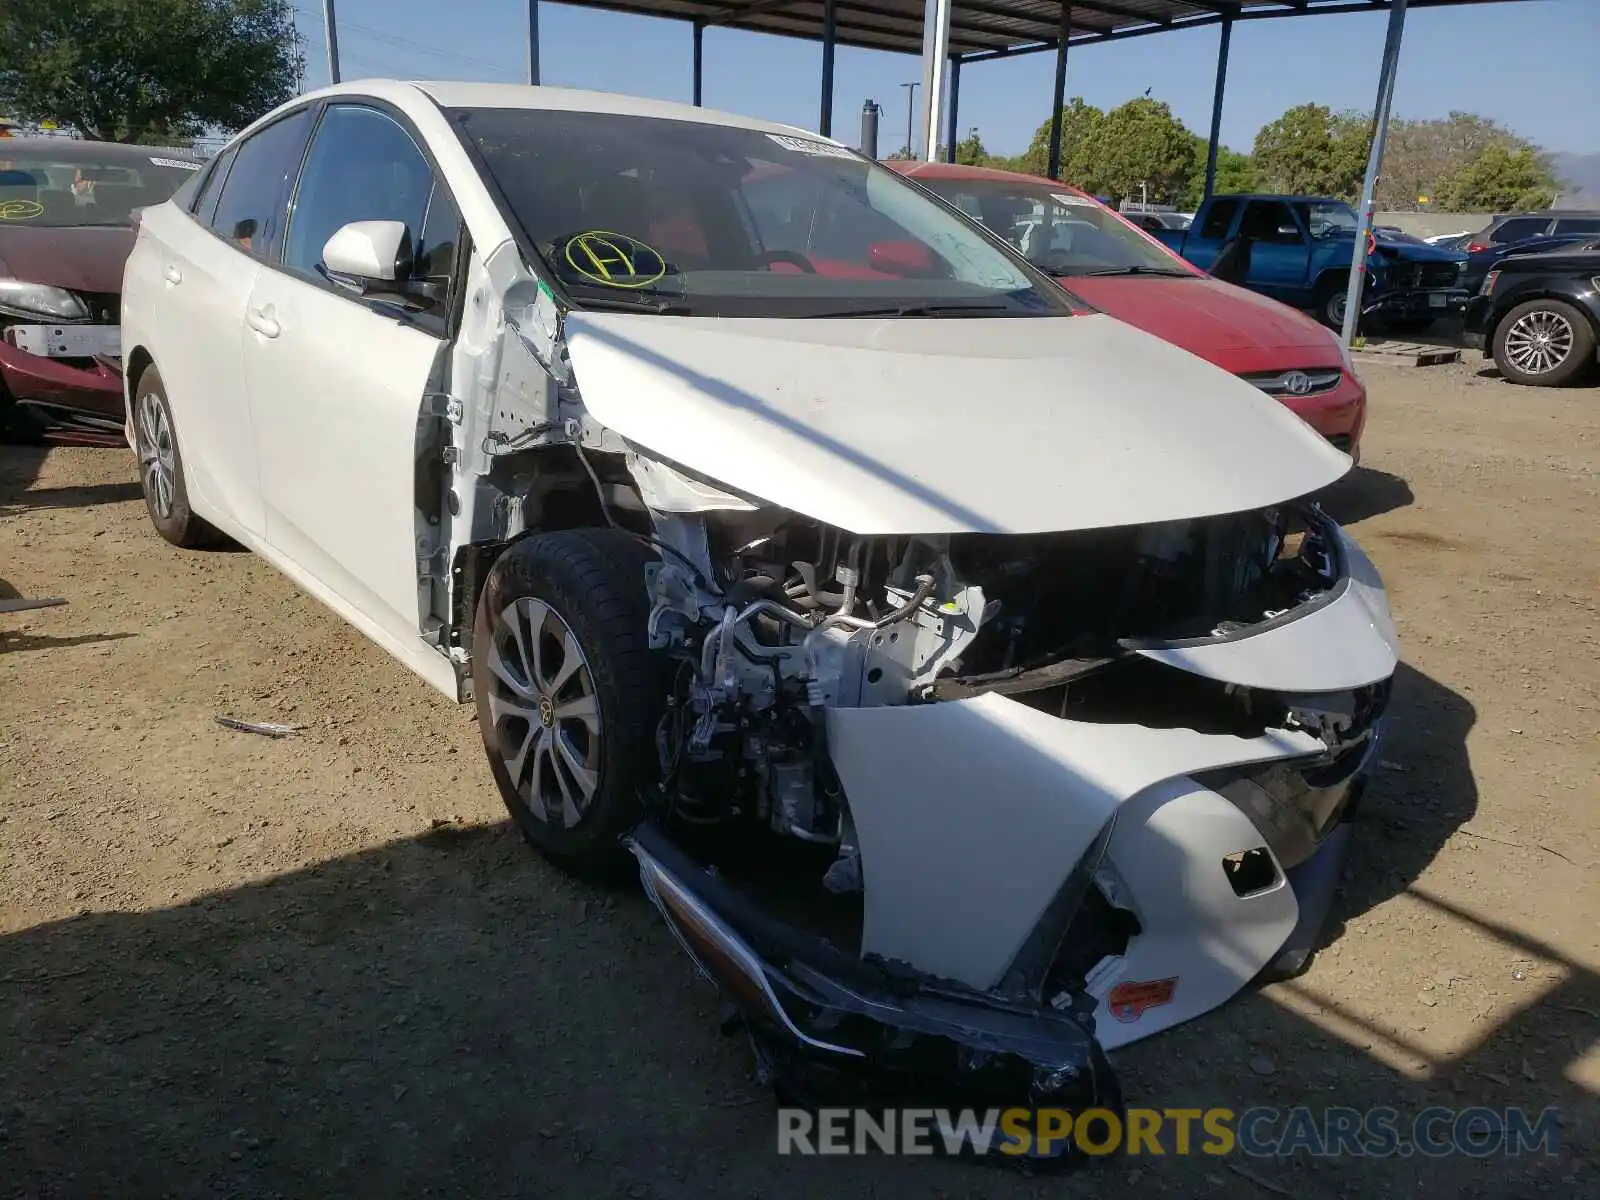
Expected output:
(158, 464)
(1539, 342)
(545, 712)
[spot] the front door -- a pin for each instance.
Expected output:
(1280, 251)
(338, 383)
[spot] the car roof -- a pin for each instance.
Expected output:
(72, 150)
(1292, 199)
(467, 94)
(939, 170)
(1549, 214)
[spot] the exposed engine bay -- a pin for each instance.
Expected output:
(777, 618)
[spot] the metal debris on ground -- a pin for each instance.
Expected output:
(264, 728)
(20, 605)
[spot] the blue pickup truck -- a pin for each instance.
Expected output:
(1297, 249)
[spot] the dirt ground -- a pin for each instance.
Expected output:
(325, 966)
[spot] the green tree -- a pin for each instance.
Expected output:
(1235, 173)
(970, 151)
(1422, 158)
(1501, 179)
(1078, 122)
(1139, 149)
(140, 70)
(1312, 150)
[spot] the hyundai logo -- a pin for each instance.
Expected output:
(1297, 383)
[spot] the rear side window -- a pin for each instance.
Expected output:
(255, 196)
(1218, 218)
(205, 210)
(1578, 225)
(1518, 228)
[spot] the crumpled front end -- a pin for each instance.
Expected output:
(966, 773)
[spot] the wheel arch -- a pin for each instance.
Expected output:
(1516, 300)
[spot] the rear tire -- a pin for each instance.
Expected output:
(568, 693)
(1543, 343)
(166, 497)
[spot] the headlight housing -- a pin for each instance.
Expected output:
(40, 300)
(1489, 281)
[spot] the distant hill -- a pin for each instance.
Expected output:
(1580, 174)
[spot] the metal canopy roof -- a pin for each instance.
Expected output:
(981, 29)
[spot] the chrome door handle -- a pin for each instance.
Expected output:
(173, 275)
(262, 322)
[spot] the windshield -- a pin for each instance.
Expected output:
(1327, 218)
(689, 218)
(69, 187)
(1056, 230)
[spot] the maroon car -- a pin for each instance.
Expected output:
(67, 210)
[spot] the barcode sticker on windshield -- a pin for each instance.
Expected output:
(806, 146)
(1072, 201)
(175, 162)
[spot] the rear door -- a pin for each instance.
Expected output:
(337, 382)
(1201, 244)
(1280, 250)
(206, 272)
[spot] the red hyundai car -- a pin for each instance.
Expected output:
(66, 226)
(1108, 262)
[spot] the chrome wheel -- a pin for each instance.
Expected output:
(1539, 342)
(545, 714)
(158, 464)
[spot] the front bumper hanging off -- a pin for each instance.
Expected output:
(834, 1030)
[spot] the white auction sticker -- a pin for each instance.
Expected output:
(806, 146)
(175, 162)
(1072, 201)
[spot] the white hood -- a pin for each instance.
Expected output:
(938, 425)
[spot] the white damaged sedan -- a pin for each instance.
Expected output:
(966, 670)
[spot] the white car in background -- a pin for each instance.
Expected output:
(963, 668)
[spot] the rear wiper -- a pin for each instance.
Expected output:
(920, 310)
(1174, 272)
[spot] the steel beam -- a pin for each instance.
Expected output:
(533, 42)
(1063, 43)
(935, 60)
(1380, 135)
(830, 32)
(1216, 105)
(955, 103)
(330, 30)
(699, 60)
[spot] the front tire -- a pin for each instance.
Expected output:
(1543, 343)
(166, 496)
(567, 691)
(1331, 297)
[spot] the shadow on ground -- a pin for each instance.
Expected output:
(448, 1015)
(1365, 493)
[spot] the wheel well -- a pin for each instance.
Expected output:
(137, 362)
(542, 491)
(1331, 276)
(1497, 318)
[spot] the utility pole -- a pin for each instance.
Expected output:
(330, 29)
(911, 111)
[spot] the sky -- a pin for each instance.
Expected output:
(1534, 66)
